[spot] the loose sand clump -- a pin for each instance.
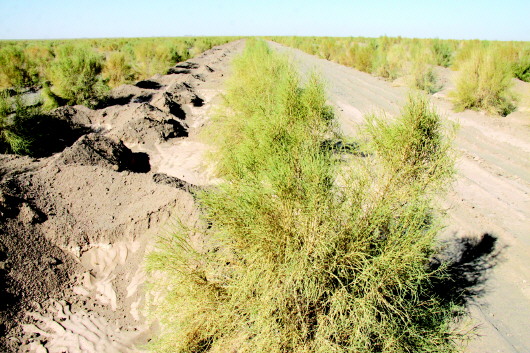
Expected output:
(75, 225)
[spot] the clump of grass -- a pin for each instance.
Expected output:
(305, 252)
(422, 72)
(15, 68)
(75, 75)
(485, 84)
(521, 66)
(413, 144)
(117, 69)
(15, 117)
(363, 57)
(424, 78)
(389, 62)
(443, 53)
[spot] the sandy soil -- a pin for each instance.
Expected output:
(490, 201)
(75, 226)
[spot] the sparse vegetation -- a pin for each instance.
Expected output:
(521, 67)
(81, 71)
(415, 59)
(14, 116)
(27, 130)
(117, 69)
(484, 83)
(308, 249)
(75, 75)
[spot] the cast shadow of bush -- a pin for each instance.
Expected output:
(466, 263)
(49, 135)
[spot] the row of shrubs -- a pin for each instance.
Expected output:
(82, 71)
(310, 247)
(486, 68)
(75, 72)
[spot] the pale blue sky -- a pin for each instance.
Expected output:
(463, 19)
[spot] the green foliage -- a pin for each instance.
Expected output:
(150, 59)
(414, 141)
(424, 78)
(392, 58)
(362, 58)
(443, 53)
(81, 69)
(15, 117)
(521, 67)
(389, 62)
(117, 69)
(27, 130)
(75, 75)
(15, 68)
(422, 72)
(49, 99)
(484, 83)
(308, 250)
(466, 50)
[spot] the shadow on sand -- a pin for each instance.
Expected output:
(466, 263)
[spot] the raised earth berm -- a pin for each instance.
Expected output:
(75, 225)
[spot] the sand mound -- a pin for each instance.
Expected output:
(144, 123)
(74, 226)
(99, 150)
(126, 94)
(78, 116)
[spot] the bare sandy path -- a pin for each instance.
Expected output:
(490, 201)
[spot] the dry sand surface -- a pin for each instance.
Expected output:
(75, 226)
(488, 233)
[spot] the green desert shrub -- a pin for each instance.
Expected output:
(484, 83)
(422, 72)
(424, 77)
(389, 62)
(443, 53)
(180, 51)
(307, 250)
(27, 130)
(75, 75)
(413, 144)
(363, 58)
(12, 112)
(521, 67)
(50, 100)
(15, 68)
(151, 59)
(40, 56)
(200, 46)
(18, 125)
(117, 69)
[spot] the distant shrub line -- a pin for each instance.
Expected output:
(391, 58)
(308, 248)
(82, 71)
(71, 72)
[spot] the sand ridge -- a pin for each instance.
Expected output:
(76, 225)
